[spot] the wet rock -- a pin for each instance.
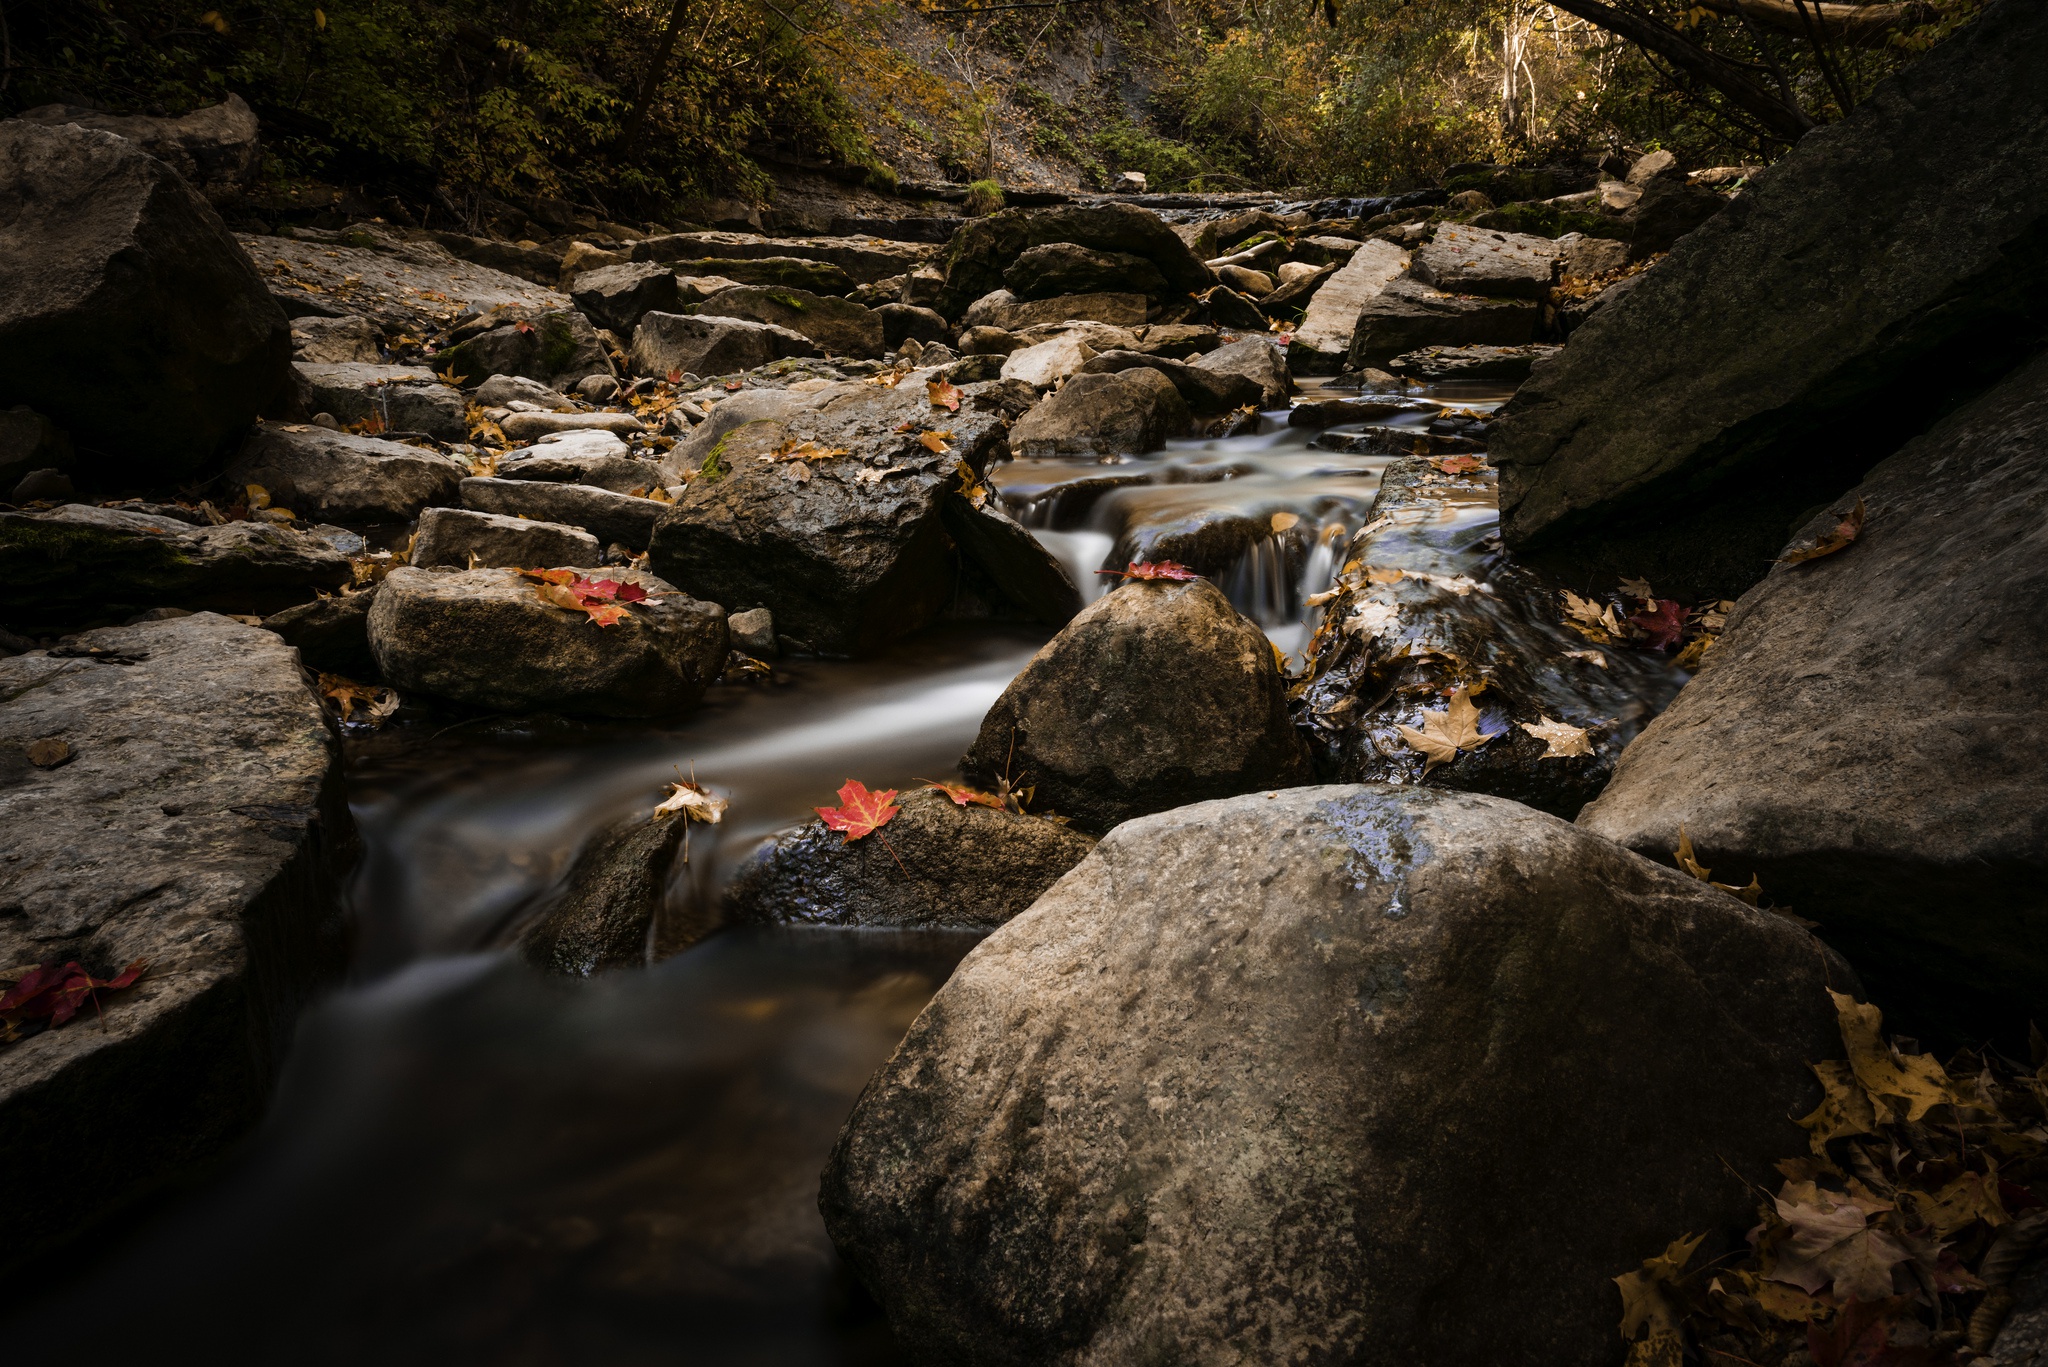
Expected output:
(1024, 571)
(753, 632)
(607, 515)
(468, 539)
(1319, 414)
(529, 426)
(558, 348)
(389, 398)
(215, 150)
(1864, 739)
(206, 786)
(616, 891)
(961, 866)
(839, 327)
(1205, 391)
(902, 322)
(486, 638)
(1432, 365)
(1177, 340)
(1003, 310)
(1089, 724)
(1064, 268)
(1323, 340)
(1207, 538)
(29, 441)
(338, 477)
(1257, 360)
(1426, 605)
(346, 340)
(1462, 260)
(331, 633)
(669, 343)
(617, 297)
(1226, 308)
(979, 254)
(105, 235)
(1291, 299)
(1309, 1015)
(851, 553)
(1409, 315)
(1246, 281)
(80, 566)
(864, 259)
(1874, 277)
(1126, 413)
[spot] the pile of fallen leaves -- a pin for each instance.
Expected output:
(1637, 616)
(370, 704)
(1893, 1243)
(49, 995)
(603, 600)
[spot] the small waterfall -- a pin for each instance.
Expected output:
(1261, 585)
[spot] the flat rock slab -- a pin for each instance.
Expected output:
(1408, 315)
(577, 464)
(320, 473)
(617, 297)
(1222, 1093)
(839, 327)
(1093, 724)
(527, 426)
(393, 398)
(199, 826)
(972, 866)
(78, 565)
(486, 638)
(1882, 270)
(1462, 260)
(866, 259)
(401, 286)
(788, 272)
(610, 517)
(1323, 340)
(1508, 363)
(1112, 310)
(468, 539)
(1866, 738)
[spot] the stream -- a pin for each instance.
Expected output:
(468, 1161)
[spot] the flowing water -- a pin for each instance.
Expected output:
(467, 1161)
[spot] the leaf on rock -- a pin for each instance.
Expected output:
(934, 442)
(603, 600)
(1663, 622)
(1564, 741)
(943, 394)
(1968, 1198)
(1918, 1080)
(1844, 532)
(871, 475)
(1170, 570)
(972, 488)
(1372, 619)
(1459, 465)
(1644, 1302)
(694, 802)
(49, 753)
(1594, 621)
(859, 812)
(1447, 734)
(804, 450)
(54, 992)
(964, 796)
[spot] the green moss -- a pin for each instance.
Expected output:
(983, 197)
(558, 344)
(787, 300)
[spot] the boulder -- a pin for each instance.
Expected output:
(331, 633)
(401, 285)
(971, 866)
(30, 441)
(1291, 299)
(781, 272)
(1183, 341)
(984, 249)
(1226, 308)
(1408, 315)
(557, 347)
(530, 426)
(1667, 211)
(80, 566)
(1583, 258)
(611, 517)
(1883, 270)
(1238, 1088)
(753, 632)
(384, 398)
(1257, 360)
(617, 297)
(1127, 413)
(1433, 365)
(616, 890)
(486, 638)
(1023, 571)
(678, 344)
(468, 539)
(839, 327)
(594, 458)
(200, 826)
(128, 315)
(1323, 340)
(1462, 260)
(1206, 391)
(1044, 364)
(215, 150)
(1246, 281)
(1004, 310)
(906, 322)
(864, 259)
(1158, 694)
(1865, 738)
(1065, 268)
(347, 340)
(501, 390)
(850, 551)
(337, 477)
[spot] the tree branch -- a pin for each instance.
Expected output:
(1857, 25)
(1783, 120)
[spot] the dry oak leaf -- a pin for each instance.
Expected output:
(694, 802)
(1447, 734)
(860, 812)
(935, 442)
(1966, 1199)
(1833, 1244)
(1564, 740)
(1643, 1300)
(1845, 532)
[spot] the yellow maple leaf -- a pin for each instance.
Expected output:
(1564, 741)
(1446, 734)
(1918, 1080)
(1844, 1108)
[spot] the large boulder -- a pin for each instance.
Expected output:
(611, 517)
(1462, 260)
(1128, 412)
(1408, 315)
(383, 398)
(557, 347)
(1887, 267)
(1257, 360)
(984, 249)
(1239, 1087)
(216, 150)
(617, 297)
(1158, 694)
(1866, 738)
(198, 826)
(1065, 268)
(79, 566)
(839, 327)
(127, 313)
(335, 476)
(969, 865)
(1323, 341)
(468, 539)
(682, 344)
(487, 638)
(1004, 310)
(1023, 573)
(848, 551)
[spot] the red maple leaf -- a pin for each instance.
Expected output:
(1664, 623)
(860, 812)
(523, 326)
(675, 375)
(964, 796)
(1459, 465)
(57, 991)
(943, 394)
(625, 591)
(1154, 569)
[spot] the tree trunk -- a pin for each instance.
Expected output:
(657, 71)
(1781, 118)
(1855, 25)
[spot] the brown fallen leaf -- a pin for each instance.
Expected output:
(1564, 741)
(1918, 1080)
(376, 703)
(1447, 734)
(48, 754)
(1845, 532)
(1834, 1245)
(693, 802)
(935, 442)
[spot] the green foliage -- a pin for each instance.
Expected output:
(983, 197)
(1167, 165)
